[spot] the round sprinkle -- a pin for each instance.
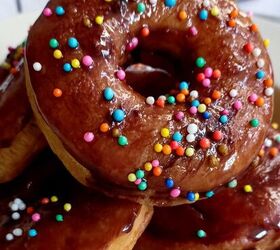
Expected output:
(153, 2)
(268, 142)
(148, 166)
(155, 163)
(54, 198)
(201, 233)
(32, 232)
(115, 132)
(57, 54)
(177, 136)
(87, 61)
(217, 74)
(254, 123)
(36, 217)
(171, 99)
(206, 115)
(88, 136)
(142, 186)
(9, 237)
(175, 192)
(179, 116)
(269, 91)
(189, 151)
(252, 98)
(67, 67)
(193, 31)
(59, 218)
(108, 94)
(104, 127)
(260, 74)
(260, 63)
(141, 7)
(166, 150)
(195, 103)
(157, 171)
(131, 177)
(99, 20)
(208, 72)
(118, 115)
(209, 194)
(237, 105)
(193, 110)
(259, 102)
(17, 232)
(257, 52)
(57, 92)
(53, 43)
(73, 43)
(182, 15)
(164, 132)
(249, 47)
(206, 3)
(158, 147)
(192, 128)
(122, 140)
(59, 10)
(248, 189)
(14, 207)
(273, 151)
(194, 94)
(223, 119)
(138, 181)
(266, 42)
(232, 184)
(223, 149)
(268, 82)
(203, 15)
(217, 135)
(75, 63)
(190, 196)
(200, 62)
(120, 74)
(145, 32)
(47, 12)
(233, 93)
(37, 66)
(67, 207)
(215, 11)
(190, 138)
(204, 143)
(169, 183)
(15, 216)
(170, 3)
(150, 100)
(201, 108)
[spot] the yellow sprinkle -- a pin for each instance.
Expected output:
(54, 199)
(275, 125)
(201, 108)
(57, 54)
(189, 152)
(196, 196)
(67, 207)
(131, 177)
(215, 11)
(75, 63)
(266, 42)
(164, 132)
(248, 189)
(99, 20)
(148, 166)
(158, 147)
(182, 15)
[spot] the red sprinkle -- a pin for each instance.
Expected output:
(204, 143)
(249, 48)
(217, 135)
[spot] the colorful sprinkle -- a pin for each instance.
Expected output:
(177, 136)
(104, 127)
(59, 218)
(67, 207)
(99, 20)
(190, 196)
(118, 115)
(37, 66)
(189, 151)
(57, 54)
(131, 177)
(170, 3)
(232, 184)
(57, 92)
(201, 233)
(32, 232)
(67, 67)
(169, 183)
(88, 136)
(108, 94)
(142, 186)
(248, 189)
(165, 132)
(260, 74)
(203, 15)
(175, 192)
(200, 62)
(148, 166)
(36, 217)
(254, 123)
(53, 43)
(141, 7)
(215, 11)
(204, 143)
(120, 74)
(47, 12)
(122, 140)
(223, 119)
(87, 61)
(209, 194)
(75, 63)
(73, 43)
(150, 100)
(158, 147)
(59, 10)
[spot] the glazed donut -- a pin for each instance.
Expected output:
(201, 131)
(46, 209)
(20, 139)
(243, 217)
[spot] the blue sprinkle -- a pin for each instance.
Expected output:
(177, 136)
(201, 233)
(183, 85)
(260, 74)
(206, 115)
(32, 232)
(108, 94)
(209, 194)
(203, 15)
(195, 103)
(59, 10)
(190, 196)
(169, 183)
(232, 184)
(223, 119)
(67, 67)
(73, 42)
(118, 115)
(170, 3)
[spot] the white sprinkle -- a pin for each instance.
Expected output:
(206, 3)
(18, 201)
(14, 207)
(194, 94)
(192, 128)
(9, 237)
(269, 91)
(152, 2)
(257, 52)
(22, 206)
(17, 232)
(261, 63)
(190, 138)
(268, 142)
(15, 216)
(162, 97)
(37, 66)
(150, 100)
(233, 93)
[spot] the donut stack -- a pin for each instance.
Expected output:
(161, 110)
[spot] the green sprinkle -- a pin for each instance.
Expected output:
(140, 174)
(254, 123)
(232, 184)
(277, 138)
(59, 217)
(201, 233)
(200, 62)
(141, 7)
(53, 43)
(142, 186)
(122, 140)
(171, 99)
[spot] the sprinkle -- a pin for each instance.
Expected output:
(216, 94)
(88, 136)
(171, 99)
(54, 198)
(249, 47)
(260, 63)
(53, 43)
(141, 7)
(201, 108)
(206, 83)
(150, 100)
(254, 28)
(273, 151)
(174, 145)
(75, 63)
(194, 94)
(122, 140)
(223, 149)
(32, 232)
(36, 217)
(57, 92)
(203, 15)
(204, 143)
(267, 142)
(87, 61)
(175, 192)
(170, 3)
(201, 233)
(59, 10)
(47, 12)
(99, 20)
(145, 32)
(217, 74)
(118, 115)
(180, 151)
(206, 3)
(254, 123)
(248, 189)
(166, 149)
(87, 22)
(193, 110)
(158, 147)
(266, 42)
(104, 127)
(169, 183)
(153, 2)
(15, 216)
(67, 207)
(164, 132)
(37, 66)
(268, 82)
(148, 166)
(208, 72)
(9, 237)
(17, 232)
(260, 74)
(115, 132)
(131, 177)
(108, 94)
(237, 105)
(232, 23)
(193, 31)
(215, 11)
(223, 119)
(14, 207)
(192, 128)
(269, 91)
(59, 218)
(233, 93)
(73, 43)
(190, 138)
(217, 135)
(200, 77)
(213, 161)
(209, 194)
(182, 15)
(189, 151)
(157, 171)
(44, 201)
(257, 52)
(177, 136)
(181, 97)
(120, 74)
(67, 67)
(179, 116)
(57, 54)
(142, 186)
(232, 184)
(138, 181)
(259, 102)
(190, 196)
(140, 174)
(252, 98)
(200, 62)
(155, 163)
(234, 13)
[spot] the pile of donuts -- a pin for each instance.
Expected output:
(139, 125)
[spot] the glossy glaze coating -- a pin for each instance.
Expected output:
(232, 219)
(172, 45)
(93, 222)
(15, 110)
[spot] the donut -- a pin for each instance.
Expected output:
(244, 214)
(20, 139)
(46, 208)
(167, 148)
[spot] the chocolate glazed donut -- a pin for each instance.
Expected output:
(243, 215)
(191, 135)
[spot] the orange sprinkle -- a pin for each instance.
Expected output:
(260, 102)
(261, 153)
(180, 151)
(231, 23)
(254, 28)
(273, 151)
(157, 171)
(182, 15)
(145, 31)
(216, 94)
(57, 92)
(234, 13)
(185, 91)
(104, 127)
(181, 97)
(160, 103)
(217, 74)
(166, 149)
(268, 82)
(207, 100)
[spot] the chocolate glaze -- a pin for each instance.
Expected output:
(231, 219)
(92, 223)
(15, 110)
(82, 108)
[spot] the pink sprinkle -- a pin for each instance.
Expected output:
(193, 110)
(134, 42)
(36, 217)
(155, 163)
(208, 72)
(47, 12)
(87, 61)
(225, 112)
(88, 136)
(179, 116)
(121, 74)
(193, 31)
(206, 82)
(237, 105)
(174, 145)
(175, 192)
(137, 182)
(252, 98)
